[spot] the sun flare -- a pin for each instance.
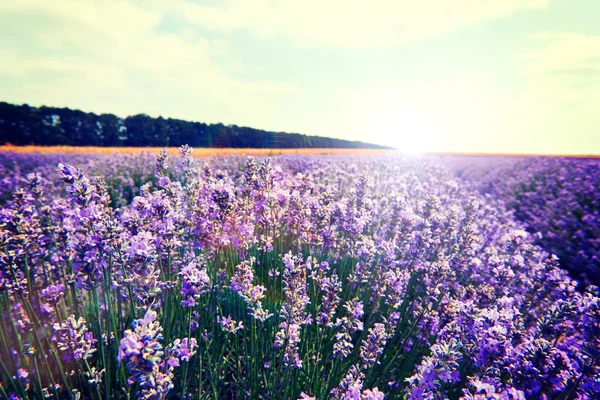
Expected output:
(410, 131)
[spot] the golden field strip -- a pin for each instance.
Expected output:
(210, 152)
(196, 152)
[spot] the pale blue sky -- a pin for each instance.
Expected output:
(457, 75)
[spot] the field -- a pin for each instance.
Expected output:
(198, 152)
(215, 151)
(334, 274)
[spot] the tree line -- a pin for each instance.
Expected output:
(26, 125)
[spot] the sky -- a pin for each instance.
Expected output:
(501, 76)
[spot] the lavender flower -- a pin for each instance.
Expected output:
(143, 352)
(194, 283)
(94, 376)
(162, 163)
(373, 346)
(374, 394)
(348, 324)
(350, 387)
(73, 339)
(331, 288)
(53, 293)
(242, 284)
(23, 377)
(293, 311)
(230, 325)
(184, 348)
(141, 247)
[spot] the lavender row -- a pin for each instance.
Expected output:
(557, 199)
(292, 277)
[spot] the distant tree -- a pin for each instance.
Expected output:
(112, 130)
(140, 131)
(22, 125)
(161, 133)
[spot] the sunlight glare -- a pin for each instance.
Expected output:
(410, 131)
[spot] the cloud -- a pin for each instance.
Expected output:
(568, 54)
(562, 78)
(81, 53)
(565, 68)
(348, 23)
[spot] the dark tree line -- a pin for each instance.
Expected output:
(25, 125)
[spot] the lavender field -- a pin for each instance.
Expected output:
(299, 277)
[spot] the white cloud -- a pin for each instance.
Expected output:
(565, 69)
(562, 79)
(349, 23)
(112, 48)
(565, 55)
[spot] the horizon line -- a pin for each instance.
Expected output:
(208, 151)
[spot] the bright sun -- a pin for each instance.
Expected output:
(410, 131)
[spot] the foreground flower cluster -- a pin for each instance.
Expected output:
(290, 278)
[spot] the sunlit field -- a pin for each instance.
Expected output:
(197, 152)
(210, 152)
(308, 274)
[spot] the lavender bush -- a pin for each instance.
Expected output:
(286, 278)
